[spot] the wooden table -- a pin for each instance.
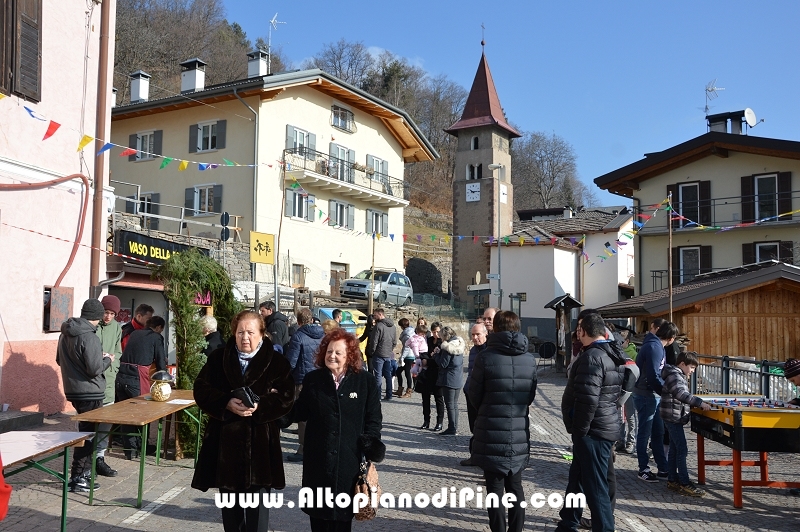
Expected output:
(139, 412)
(36, 447)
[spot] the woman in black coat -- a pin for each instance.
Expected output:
(501, 387)
(241, 450)
(426, 380)
(450, 360)
(341, 404)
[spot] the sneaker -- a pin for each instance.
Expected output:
(662, 475)
(103, 469)
(295, 457)
(674, 486)
(691, 490)
(647, 476)
(448, 432)
(81, 484)
(630, 449)
(585, 523)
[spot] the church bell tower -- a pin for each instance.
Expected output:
(483, 200)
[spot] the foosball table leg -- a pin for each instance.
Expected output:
(737, 479)
(701, 460)
(763, 466)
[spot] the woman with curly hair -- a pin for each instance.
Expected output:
(341, 404)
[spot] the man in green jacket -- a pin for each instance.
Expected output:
(110, 333)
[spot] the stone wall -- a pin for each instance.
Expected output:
(235, 256)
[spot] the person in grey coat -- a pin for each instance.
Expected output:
(502, 386)
(450, 359)
(82, 362)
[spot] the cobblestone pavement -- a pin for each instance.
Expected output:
(419, 461)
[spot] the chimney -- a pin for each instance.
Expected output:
(113, 97)
(140, 86)
(193, 75)
(567, 212)
(256, 63)
(719, 122)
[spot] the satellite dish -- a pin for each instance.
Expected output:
(750, 117)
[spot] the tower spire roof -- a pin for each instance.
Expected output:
(483, 105)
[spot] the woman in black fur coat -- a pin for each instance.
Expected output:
(340, 401)
(241, 450)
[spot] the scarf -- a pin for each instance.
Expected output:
(244, 358)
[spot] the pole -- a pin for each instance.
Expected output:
(499, 248)
(371, 277)
(669, 252)
(99, 222)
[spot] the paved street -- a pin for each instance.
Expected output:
(420, 461)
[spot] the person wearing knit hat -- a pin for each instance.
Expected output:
(82, 361)
(791, 370)
(110, 333)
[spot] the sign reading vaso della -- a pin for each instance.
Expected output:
(147, 249)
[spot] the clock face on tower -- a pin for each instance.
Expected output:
(473, 192)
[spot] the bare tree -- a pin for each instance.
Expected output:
(544, 171)
(157, 35)
(348, 61)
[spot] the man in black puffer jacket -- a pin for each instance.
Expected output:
(502, 385)
(589, 409)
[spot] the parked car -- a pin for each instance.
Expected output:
(390, 286)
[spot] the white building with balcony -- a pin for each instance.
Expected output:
(735, 198)
(301, 155)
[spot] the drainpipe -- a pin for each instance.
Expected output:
(98, 289)
(99, 221)
(255, 173)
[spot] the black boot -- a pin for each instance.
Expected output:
(438, 427)
(103, 469)
(426, 424)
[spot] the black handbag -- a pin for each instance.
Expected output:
(246, 396)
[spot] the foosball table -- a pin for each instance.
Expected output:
(746, 423)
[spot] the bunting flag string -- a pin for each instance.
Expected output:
(137, 259)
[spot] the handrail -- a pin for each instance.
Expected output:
(346, 171)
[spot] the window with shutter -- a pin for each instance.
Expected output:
(145, 146)
(688, 262)
(27, 63)
(786, 252)
(351, 217)
(748, 253)
(311, 202)
(748, 199)
(785, 194)
(5, 44)
(766, 196)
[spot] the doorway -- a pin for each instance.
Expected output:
(338, 275)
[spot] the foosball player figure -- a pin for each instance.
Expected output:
(791, 370)
(674, 410)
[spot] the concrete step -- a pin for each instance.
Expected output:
(14, 420)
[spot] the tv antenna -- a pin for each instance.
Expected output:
(273, 24)
(711, 93)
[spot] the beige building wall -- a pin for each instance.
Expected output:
(314, 245)
(724, 174)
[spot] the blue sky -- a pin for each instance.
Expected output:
(615, 79)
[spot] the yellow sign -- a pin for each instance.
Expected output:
(262, 248)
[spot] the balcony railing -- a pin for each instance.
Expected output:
(358, 175)
(724, 211)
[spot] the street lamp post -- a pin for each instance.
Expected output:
(500, 167)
